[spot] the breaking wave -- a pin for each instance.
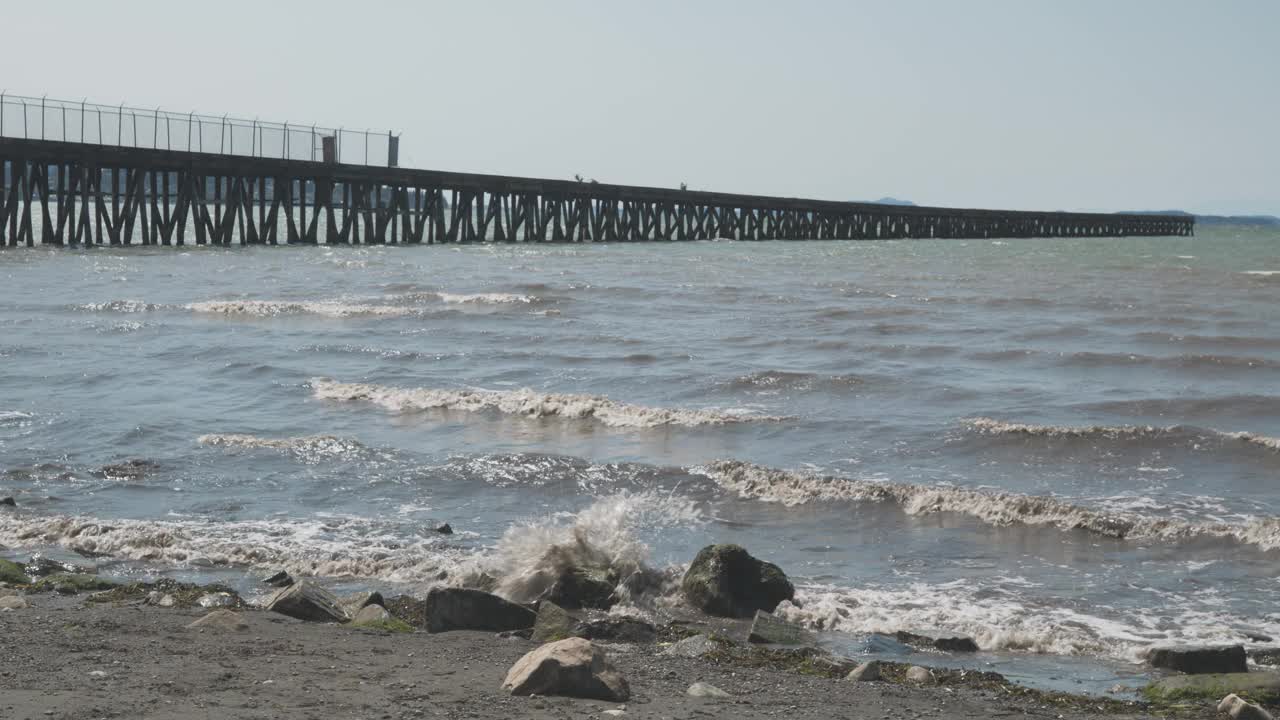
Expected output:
(1006, 621)
(485, 298)
(528, 403)
(991, 426)
(121, 306)
(774, 380)
(272, 308)
(310, 447)
(992, 507)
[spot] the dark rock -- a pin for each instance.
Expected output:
(956, 644)
(578, 589)
(1199, 660)
(280, 579)
(9, 502)
(306, 601)
(408, 609)
(552, 623)
(766, 628)
(1259, 637)
(445, 529)
(573, 667)
(462, 609)
(727, 581)
(616, 629)
(945, 644)
(523, 634)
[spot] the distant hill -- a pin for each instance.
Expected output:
(1256, 220)
(893, 201)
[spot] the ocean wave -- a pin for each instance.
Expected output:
(991, 426)
(121, 306)
(991, 507)
(604, 536)
(485, 298)
(785, 380)
(527, 403)
(272, 308)
(1007, 621)
(1177, 362)
(313, 447)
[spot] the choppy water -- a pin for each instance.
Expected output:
(1066, 449)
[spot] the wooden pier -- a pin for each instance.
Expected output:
(78, 194)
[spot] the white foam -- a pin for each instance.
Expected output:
(1007, 621)
(313, 447)
(1263, 273)
(992, 507)
(272, 308)
(991, 426)
(485, 298)
(528, 403)
(120, 306)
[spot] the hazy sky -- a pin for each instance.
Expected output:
(1078, 104)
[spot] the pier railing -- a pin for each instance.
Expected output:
(45, 118)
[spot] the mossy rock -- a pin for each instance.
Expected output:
(71, 584)
(725, 580)
(185, 595)
(12, 573)
(390, 625)
(1258, 687)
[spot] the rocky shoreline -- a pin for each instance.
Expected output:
(77, 646)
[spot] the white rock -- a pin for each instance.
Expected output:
(371, 614)
(921, 675)
(12, 602)
(1240, 709)
(703, 690)
(220, 620)
(572, 667)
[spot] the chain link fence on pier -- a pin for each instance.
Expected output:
(44, 118)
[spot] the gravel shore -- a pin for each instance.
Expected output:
(64, 658)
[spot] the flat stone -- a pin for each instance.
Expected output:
(225, 620)
(306, 601)
(866, 672)
(704, 690)
(464, 609)
(616, 629)
(1199, 660)
(773, 630)
(920, 675)
(572, 667)
(12, 602)
(280, 579)
(691, 647)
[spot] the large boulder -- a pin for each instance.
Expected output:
(766, 628)
(572, 667)
(13, 573)
(307, 601)
(1199, 660)
(463, 609)
(725, 580)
